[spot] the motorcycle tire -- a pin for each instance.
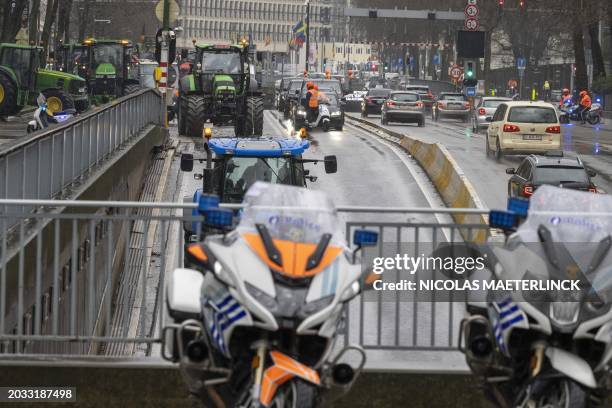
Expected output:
(298, 394)
(326, 127)
(593, 119)
(571, 395)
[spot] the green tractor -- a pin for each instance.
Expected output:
(112, 70)
(22, 80)
(72, 58)
(221, 88)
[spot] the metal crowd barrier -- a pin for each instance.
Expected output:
(44, 164)
(89, 280)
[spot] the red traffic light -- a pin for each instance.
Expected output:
(501, 3)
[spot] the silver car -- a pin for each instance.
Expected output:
(485, 109)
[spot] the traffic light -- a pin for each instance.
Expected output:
(501, 3)
(469, 76)
(522, 5)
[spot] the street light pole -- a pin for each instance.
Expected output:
(307, 32)
(163, 64)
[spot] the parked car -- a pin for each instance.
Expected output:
(555, 168)
(426, 96)
(373, 101)
(281, 92)
(293, 97)
(523, 127)
(403, 107)
(485, 109)
(451, 104)
(287, 94)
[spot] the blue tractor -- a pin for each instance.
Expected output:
(232, 165)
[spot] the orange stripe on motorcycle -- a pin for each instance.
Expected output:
(284, 369)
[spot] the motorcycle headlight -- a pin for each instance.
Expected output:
(263, 298)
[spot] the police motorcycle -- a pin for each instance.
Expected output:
(546, 348)
(256, 315)
(570, 111)
(42, 116)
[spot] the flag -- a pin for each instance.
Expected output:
(299, 33)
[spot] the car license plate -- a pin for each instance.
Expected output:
(532, 137)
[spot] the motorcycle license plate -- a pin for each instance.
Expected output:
(532, 137)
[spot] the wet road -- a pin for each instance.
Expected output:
(593, 143)
(372, 172)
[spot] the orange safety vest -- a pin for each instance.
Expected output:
(313, 102)
(586, 101)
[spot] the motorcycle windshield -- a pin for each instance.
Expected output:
(566, 237)
(291, 213)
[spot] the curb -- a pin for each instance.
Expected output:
(446, 175)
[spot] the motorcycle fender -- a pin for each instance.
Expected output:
(571, 366)
(184, 292)
(283, 369)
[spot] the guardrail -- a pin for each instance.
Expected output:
(89, 281)
(45, 164)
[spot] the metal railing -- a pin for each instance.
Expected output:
(46, 163)
(89, 280)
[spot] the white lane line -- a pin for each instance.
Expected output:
(429, 192)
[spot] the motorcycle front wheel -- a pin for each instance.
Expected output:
(563, 394)
(593, 119)
(296, 394)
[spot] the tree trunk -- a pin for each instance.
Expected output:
(67, 21)
(581, 80)
(63, 21)
(84, 22)
(50, 16)
(33, 26)
(599, 68)
(11, 20)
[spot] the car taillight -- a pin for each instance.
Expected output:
(511, 128)
(419, 104)
(553, 129)
(592, 188)
(527, 190)
(390, 103)
(440, 104)
(481, 111)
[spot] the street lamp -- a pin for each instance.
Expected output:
(307, 3)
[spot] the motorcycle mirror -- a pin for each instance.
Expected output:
(186, 162)
(331, 164)
(510, 170)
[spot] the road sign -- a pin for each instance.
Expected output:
(521, 63)
(455, 72)
(512, 83)
(174, 11)
(471, 24)
(436, 59)
(471, 10)
(474, 2)
(470, 91)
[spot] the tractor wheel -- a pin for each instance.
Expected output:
(193, 111)
(130, 89)
(8, 96)
(58, 101)
(253, 118)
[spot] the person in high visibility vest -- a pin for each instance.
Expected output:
(546, 88)
(312, 101)
(585, 104)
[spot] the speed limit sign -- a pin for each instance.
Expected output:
(471, 24)
(455, 72)
(471, 10)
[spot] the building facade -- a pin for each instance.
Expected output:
(268, 23)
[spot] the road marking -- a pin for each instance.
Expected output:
(422, 181)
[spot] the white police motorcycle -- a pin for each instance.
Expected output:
(42, 116)
(546, 348)
(257, 310)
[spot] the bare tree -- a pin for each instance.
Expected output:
(85, 22)
(33, 26)
(11, 19)
(50, 17)
(63, 21)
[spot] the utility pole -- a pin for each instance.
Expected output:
(165, 48)
(307, 33)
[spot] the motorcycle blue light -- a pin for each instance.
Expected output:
(365, 238)
(502, 219)
(519, 206)
(208, 201)
(219, 217)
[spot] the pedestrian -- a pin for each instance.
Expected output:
(546, 88)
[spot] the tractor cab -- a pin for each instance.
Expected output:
(112, 70)
(22, 80)
(72, 58)
(235, 164)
